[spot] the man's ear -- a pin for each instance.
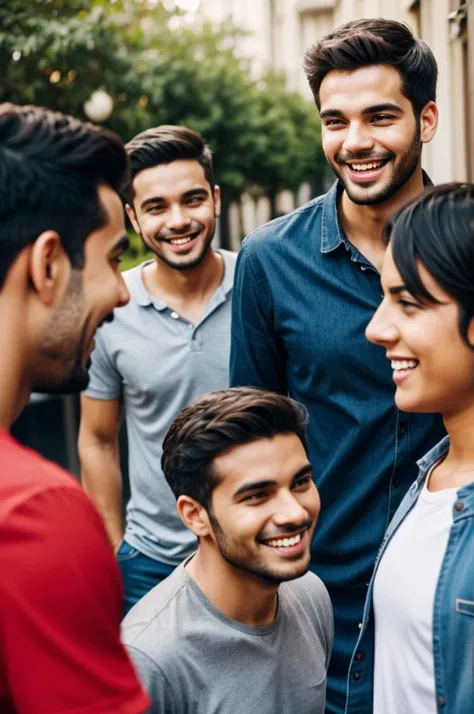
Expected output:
(194, 516)
(132, 218)
(428, 122)
(49, 266)
(217, 200)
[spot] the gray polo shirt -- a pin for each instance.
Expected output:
(158, 362)
(192, 658)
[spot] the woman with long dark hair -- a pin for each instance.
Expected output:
(415, 653)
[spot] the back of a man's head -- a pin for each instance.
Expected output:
(50, 168)
(370, 42)
(217, 422)
(165, 144)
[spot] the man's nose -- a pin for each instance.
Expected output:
(358, 138)
(177, 218)
(123, 294)
(290, 511)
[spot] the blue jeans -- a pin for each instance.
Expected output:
(139, 573)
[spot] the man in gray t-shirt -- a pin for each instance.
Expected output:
(169, 345)
(241, 626)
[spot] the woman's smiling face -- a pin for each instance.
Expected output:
(433, 367)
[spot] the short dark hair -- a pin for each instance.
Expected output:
(165, 144)
(437, 229)
(217, 422)
(377, 41)
(50, 168)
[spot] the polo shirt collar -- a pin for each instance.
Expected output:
(229, 270)
(142, 296)
(332, 234)
(138, 289)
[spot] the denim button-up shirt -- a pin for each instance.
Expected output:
(303, 295)
(453, 615)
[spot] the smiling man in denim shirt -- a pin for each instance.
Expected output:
(308, 283)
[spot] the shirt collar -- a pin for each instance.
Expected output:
(142, 296)
(332, 234)
(432, 457)
(426, 463)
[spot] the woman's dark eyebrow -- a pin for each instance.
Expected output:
(397, 289)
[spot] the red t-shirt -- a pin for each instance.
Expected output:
(60, 597)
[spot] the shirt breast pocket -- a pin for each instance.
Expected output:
(465, 607)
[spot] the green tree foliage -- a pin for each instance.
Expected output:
(159, 69)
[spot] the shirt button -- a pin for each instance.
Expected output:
(441, 701)
(174, 315)
(459, 505)
(356, 675)
(402, 429)
(359, 626)
(359, 656)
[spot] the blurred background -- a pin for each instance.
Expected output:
(232, 70)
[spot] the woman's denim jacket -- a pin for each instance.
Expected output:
(453, 617)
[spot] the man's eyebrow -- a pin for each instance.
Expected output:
(253, 486)
(385, 107)
(260, 485)
(195, 192)
(331, 113)
(397, 289)
(201, 191)
(121, 245)
(307, 469)
(152, 199)
(374, 109)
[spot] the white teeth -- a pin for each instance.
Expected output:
(285, 542)
(180, 241)
(366, 167)
(403, 363)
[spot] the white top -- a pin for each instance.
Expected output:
(404, 592)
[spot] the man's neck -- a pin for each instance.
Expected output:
(363, 224)
(164, 282)
(238, 595)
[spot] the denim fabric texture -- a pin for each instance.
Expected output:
(139, 574)
(453, 616)
(303, 296)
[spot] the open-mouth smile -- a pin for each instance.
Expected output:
(402, 369)
(362, 172)
(181, 242)
(289, 544)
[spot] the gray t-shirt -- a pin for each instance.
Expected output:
(158, 363)
(194, 660)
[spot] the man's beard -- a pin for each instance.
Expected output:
(61, 350)
(401, 175)
(242, 561)
(180, 264)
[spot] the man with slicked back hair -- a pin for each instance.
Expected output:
(308, 283)
(240, 626)
(62, 235)
(169, 345)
